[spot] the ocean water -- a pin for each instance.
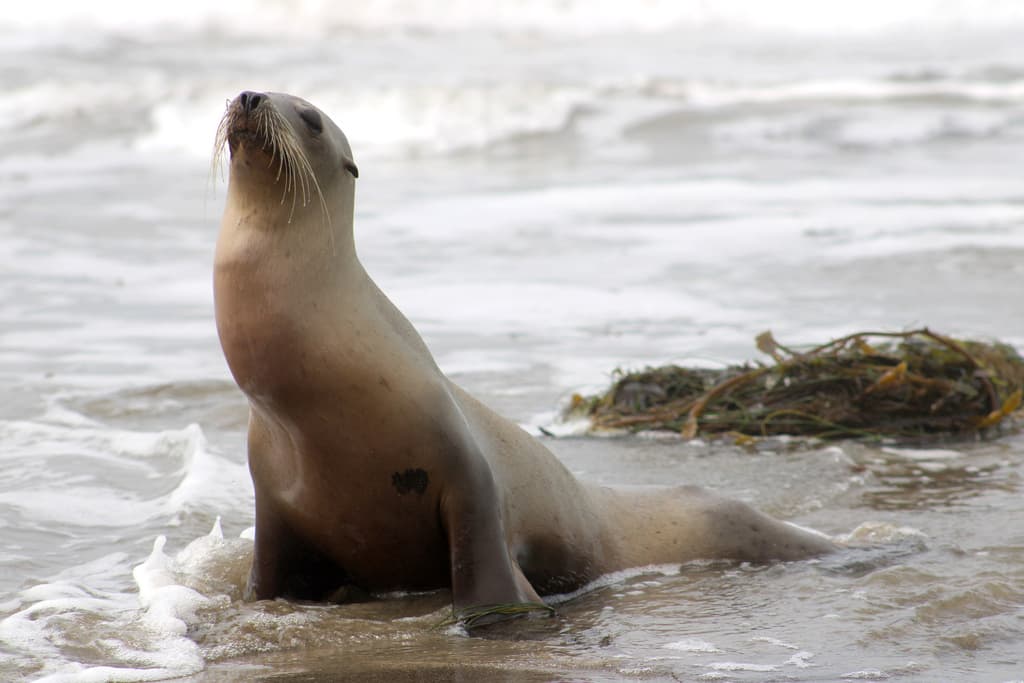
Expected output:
(549, 190)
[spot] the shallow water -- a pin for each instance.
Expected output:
(548, 193)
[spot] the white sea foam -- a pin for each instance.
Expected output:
(387, 120)
(53, 613)
(693, 645)
(800, 659)
(718, 95)
(430, 114)
(924, 453)
(557, 304)
(680, 224)
(438, 118)
(146, 631)
(774, 641)
(879, 533)
(741, 666)
(94, 496)
(612, 578)
(169, 606)
(866, 675)
(576, 17)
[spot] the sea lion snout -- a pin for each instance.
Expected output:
(250, 100)
(241, 124)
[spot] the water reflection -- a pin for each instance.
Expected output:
(907, 479)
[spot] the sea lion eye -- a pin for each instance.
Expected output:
(312, 119)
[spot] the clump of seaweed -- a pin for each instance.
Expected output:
(893, 385)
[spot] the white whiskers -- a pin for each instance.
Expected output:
(286, 151)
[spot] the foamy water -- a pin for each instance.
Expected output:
(549, 190)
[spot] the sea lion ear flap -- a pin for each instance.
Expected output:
(350, 166)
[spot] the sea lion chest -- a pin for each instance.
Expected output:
(370, 500)
(353, 434)
(351, 441)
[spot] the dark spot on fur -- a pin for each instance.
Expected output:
(384, 383)
(410, 480)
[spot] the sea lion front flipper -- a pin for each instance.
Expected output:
(283, 565)
(269, 555)
(487, 585)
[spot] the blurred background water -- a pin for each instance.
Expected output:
(549, 190)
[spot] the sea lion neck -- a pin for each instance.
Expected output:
(255, 205)
(305, 251)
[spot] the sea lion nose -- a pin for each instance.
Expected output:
(250, 100)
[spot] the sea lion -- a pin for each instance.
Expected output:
(370, 467)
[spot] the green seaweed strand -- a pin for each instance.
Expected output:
(472, 616)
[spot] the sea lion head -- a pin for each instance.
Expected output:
(281, 141)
